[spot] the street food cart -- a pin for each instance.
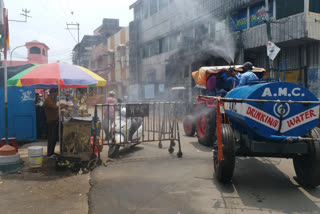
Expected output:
(76, 131)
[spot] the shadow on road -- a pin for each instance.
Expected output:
(223, 188)
(198, 146)
(126, 152)
(262, 186)
(42, 174)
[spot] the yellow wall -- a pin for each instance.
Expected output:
(291, 76)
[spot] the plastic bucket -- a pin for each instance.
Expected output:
(35, 156)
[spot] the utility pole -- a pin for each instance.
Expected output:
(78, 41)
(24, 13)
(269, 35)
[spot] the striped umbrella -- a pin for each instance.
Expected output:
(56, 74)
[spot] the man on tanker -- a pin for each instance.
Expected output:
(248, 75)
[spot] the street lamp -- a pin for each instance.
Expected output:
(12, 52)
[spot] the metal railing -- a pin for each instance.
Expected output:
(127, 125)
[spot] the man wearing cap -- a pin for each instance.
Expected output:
(248, 75)
(52, 114)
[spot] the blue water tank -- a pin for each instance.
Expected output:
(264, 118)
(21, 114)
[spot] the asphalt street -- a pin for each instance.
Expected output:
(149, 180)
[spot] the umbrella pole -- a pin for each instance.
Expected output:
(5, 76)
(6, 95)
(88, 90)
(59, 94)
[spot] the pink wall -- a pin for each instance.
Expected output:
(34, 56)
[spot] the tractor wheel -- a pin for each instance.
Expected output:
(307, 166)
(206, 129)
(113, 151)
(224, 170)
(189, 126)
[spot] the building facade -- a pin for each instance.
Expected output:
(171, 38)
(110, 60)
(82, 51)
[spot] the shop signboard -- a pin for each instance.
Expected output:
(258, 13)
(239, 21)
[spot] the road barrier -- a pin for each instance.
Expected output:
(127, 125)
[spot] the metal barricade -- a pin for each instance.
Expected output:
(127, 125)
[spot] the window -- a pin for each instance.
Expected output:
(151, 76)
(35, 50)
(163, 45)
(163, 4)
(315, 6)
(201, 31)
(145, 9)
(154, 48)
(188, 35)
(174, 40)
(43, 52)
(287, 8)
(212, 29)
(186, 71)
(137, 13)
(153, 7)
(145, 51)
(99, 63)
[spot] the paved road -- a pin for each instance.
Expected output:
(149, 180)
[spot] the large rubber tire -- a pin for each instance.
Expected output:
(224, 171)
(113, 151)
(189, 125)
(206, 128)
(307, 167)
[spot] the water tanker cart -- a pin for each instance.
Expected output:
(271, 119)
(202, 120)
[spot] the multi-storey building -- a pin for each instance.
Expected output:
(171, 38)
(82, 51)
(110, 60)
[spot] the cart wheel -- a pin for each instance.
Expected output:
(179, 154)
(160, 145)
(172, 143)
(307, 166)
(206, 128)
(224, 170)
(113, 150)
(91, 165)
(171, 150)
(99, 162)
(189, 125)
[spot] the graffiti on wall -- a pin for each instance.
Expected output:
(27, 95)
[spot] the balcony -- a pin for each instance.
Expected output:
(313, 25)
(283, 30)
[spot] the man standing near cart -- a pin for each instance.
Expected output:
(109, 114)
(52, 114)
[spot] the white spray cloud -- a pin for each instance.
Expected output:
(221, 42)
